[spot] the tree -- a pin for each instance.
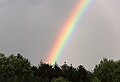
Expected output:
(95, 79)
(45, 71)
(15, 69)
(68, 71)
(108, 71)
(60, 79)
(82, 74)
(57, 71)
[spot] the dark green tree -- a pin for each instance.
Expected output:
(57, 71)
(45, 71)
(69, 72)
(15, 69)
(82, 74)
(95, 79)
(108, 70)
(60, 79)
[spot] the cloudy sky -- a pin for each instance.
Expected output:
(30, 27)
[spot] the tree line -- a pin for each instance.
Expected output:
(16, 68)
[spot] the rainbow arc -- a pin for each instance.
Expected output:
(67, 30)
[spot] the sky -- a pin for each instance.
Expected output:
(30, 27)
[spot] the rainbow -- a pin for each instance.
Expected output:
(67, 30)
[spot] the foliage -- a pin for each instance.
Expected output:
(60, 79)
(95, 79)
(15, 69)
(108, 70)
(19, 69)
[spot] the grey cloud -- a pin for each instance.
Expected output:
(26, 2)
(31, 26)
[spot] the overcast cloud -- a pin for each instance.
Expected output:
(30, 27)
